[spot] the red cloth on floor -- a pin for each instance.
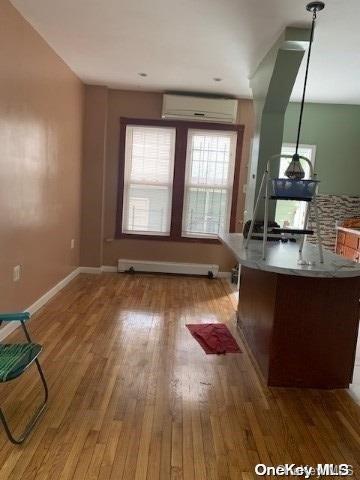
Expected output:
(214, 338)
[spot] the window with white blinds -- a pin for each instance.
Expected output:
(210, 161)
(148, 179)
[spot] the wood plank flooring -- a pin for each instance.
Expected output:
(133, 396)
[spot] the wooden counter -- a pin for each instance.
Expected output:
(348, 243)
(301, 326)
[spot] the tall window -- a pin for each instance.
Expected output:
(177, 180)
(209, 179)
(148, 179)
(292, 213)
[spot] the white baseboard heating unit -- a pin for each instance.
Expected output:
(132, 266)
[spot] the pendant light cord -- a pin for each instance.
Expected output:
(305, 82)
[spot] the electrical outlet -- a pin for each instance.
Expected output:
(72, 243)
(16, 273)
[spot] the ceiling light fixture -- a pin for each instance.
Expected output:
(217, 79)
(143, 74)
(295, 170)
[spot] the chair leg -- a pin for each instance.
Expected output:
(25, 331)
(30, 426)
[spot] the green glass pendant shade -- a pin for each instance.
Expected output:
(295, 170)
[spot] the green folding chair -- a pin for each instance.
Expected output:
(14, 360)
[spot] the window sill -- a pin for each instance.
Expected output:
(199, 236)
(169, 238)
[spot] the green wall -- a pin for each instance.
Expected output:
(272, 84)
(335, 130)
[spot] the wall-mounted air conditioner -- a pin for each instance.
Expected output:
(183, 107)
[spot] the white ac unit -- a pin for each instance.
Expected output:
(183, 107)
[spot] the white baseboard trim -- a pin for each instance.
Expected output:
(224, 275)
(12, 326)
(8, 329)
(94, 270)
(52, 292)
(109, 268)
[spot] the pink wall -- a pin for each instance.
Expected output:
(41, 109)
(43, 180)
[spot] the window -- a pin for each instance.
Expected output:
(148, 178)
(138, 215)
(292, 213)
(177, 180)
(208, 182)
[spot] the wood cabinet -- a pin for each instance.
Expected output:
(302, 331)
(348, 244)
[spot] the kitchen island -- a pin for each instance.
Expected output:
(300, 322)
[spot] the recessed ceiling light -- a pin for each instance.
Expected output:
(217, 79)
(142, 74)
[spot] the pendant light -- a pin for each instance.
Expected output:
(295, 171)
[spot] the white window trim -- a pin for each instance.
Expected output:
(303, 145)
(292, 147)
(233, 135)
(128, 183)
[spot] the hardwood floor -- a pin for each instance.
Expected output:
(133, 396)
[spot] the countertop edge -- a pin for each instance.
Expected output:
(301, 272)
(349, 230)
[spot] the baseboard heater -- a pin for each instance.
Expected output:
(132, 266)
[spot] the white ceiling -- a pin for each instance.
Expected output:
(183, 44)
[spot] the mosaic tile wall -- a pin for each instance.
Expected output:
(332, 209)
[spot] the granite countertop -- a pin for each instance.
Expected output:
(283, 258)
(356, 231)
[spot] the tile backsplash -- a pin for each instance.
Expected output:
(332, 209)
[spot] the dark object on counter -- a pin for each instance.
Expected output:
(235, 274)
(259, 228)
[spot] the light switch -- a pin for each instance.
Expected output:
(16, 273)
(72, 244)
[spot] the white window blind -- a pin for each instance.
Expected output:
(148, 179)
(209, 180)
